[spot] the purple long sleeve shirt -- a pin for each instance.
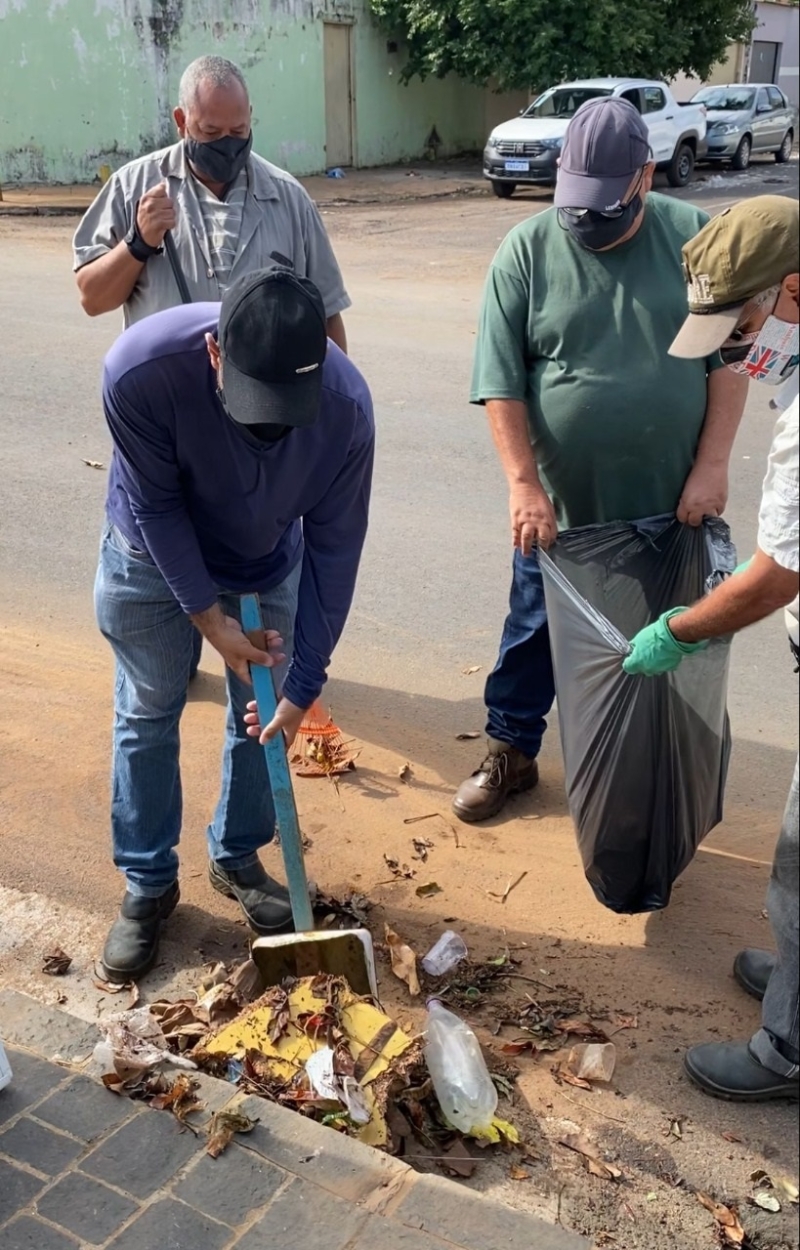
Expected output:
(218, 510)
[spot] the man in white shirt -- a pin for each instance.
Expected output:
(743, 270)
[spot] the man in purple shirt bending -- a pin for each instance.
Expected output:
(243, 448)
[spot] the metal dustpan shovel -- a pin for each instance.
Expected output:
(346, 953)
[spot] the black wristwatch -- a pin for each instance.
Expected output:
(136, 245)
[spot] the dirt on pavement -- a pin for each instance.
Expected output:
(656, 983)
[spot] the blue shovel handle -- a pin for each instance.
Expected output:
(280, 778)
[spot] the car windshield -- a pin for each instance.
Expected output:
(563, 101)
(725, 99)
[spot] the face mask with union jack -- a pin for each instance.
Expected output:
(774, 353)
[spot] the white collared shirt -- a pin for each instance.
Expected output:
(779, 514)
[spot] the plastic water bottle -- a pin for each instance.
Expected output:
(5, 1068)
(460, 1077)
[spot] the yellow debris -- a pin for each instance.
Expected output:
(373, 1039)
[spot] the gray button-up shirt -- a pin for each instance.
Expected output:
(279, 216)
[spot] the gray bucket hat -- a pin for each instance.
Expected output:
(606, 144)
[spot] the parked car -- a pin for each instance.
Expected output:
(744, 118)
(526, 149)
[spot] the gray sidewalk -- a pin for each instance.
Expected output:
(81, 1167)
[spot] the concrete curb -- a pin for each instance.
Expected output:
(377, 1202)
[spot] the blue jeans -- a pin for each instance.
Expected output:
(777, 1043)
(520, 690)
(153, 642)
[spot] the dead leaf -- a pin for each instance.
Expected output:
(767, 1201)
(246, 982)
(563, 1075)
(458, 1161)
(626, 1022)
(217, 974)
(582, 1028)
(789, 1189)
(281, 1014)
(56, 963)
(473, 668)
(405, 773)
(675, 1129)
(224, 1125)
(93, 464)
(111, 987)
(516, 1173)
(428, 891)
(61, 999)
(517, 1048)
(732, 1232)
(404, 961)
(731, 1137)
(401, 872)
(134, 998)
(760, 1177)
(179, 1098)
(415, 820)
(422, 846)
(468, 737)
(594, 1164)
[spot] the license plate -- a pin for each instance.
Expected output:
(517, 167)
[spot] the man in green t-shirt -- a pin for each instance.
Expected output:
(592, 419)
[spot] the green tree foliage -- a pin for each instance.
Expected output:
(537, 43)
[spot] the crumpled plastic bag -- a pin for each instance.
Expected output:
(645, 758)
(134, 1044)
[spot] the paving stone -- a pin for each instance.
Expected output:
(337, 1163)
(85, 1207)
(17, 1190)
(169, 1225)
(85, 1109)
(214, 1094)
(47, 1030)
(381, 1234)
(304, 1216)
(447, 1210)
(33, 1079)
(39, 1147)
(141, 1156)
(231, 1187)
(30, 1234)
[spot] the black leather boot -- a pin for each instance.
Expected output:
(132, 944)
(264, 901)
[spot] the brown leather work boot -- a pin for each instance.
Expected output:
(504, 772)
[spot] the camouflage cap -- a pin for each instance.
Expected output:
(737, 255)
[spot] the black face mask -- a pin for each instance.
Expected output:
(222, 160)
(265, 433)
(597, 231)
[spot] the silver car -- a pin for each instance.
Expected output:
(746, 118)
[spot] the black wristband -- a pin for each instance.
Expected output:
(136, 245)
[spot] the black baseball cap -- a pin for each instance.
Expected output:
(606, 144)
(272, 339)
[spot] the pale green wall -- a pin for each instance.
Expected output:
(89, 82)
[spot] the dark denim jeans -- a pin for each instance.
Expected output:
(520, 690)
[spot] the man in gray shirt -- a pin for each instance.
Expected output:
(228, 211)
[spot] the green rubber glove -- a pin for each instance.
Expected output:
(742, 568)
(655, 649)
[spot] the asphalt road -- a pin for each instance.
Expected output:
(430, 603)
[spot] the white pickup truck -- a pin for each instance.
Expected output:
(526, 149)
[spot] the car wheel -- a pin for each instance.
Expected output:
(504, 190)
(741, 157)
(681, 167)
(784, 152)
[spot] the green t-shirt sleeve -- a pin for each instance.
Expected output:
(500, 370)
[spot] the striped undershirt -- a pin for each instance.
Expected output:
(222, 221)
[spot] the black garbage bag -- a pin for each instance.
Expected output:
(646, 758)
